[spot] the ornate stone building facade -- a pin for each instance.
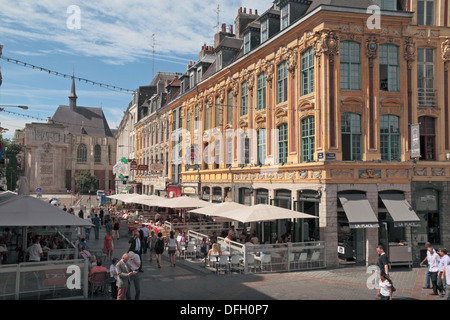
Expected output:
(328, 114)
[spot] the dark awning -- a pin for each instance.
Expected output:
(358, 211)
(400, 210)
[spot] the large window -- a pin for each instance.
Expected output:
(82, 153)
(351, 136)
(425, 13)
(282, 143)
(97, 154)
(389, 68)
(217, 112)
(245, 149)
(425, 77)
(188, 121)
(390, 137)
(350, 65)
(308, 71)
(207, 111)
(282, 82)
(244, 99)
(261, 146)
(230, 107)
(308, 139)
(427, 138)
(261, 91)
(196, 118)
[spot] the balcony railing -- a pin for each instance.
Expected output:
(427, 97)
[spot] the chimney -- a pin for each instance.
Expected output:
(242, 20)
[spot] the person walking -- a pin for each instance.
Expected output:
(123, 277)
(116, 228)
(134, 264)
(96, 222)
(447, 282)
(383, 260)
(426, 284)
(385, 287)
(136, 246)
(172, 248)
(159, 248)
(434, 269)
(152, 242)
(113, 274)
(109, 245)
(87, 229)
(443, 263)
(145, 231)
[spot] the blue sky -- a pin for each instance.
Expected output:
(113, 45)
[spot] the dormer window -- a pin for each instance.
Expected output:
(191, 80)
(264, 30)
(219, 61)
(389, 4)
(284, 17)
(199, 74)
(247, 43)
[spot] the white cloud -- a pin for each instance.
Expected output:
(121, 31)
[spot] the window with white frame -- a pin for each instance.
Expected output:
(264, 30)
(282, 82)
(350, 65)
(247, 43)
(308, 139)
(284, 17)
(261, 92)
(425, 13)
(244, 99)
(425, 77)
(261, 146)
(307, 71)
(389, 68)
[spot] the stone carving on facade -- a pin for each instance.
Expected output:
(269, 73)
(445, 53)
(341, 173)
(250, 79)
(410, 51)
(420, 172)
(371, 49)
(396, 173)
(438, 172)
(303, 174)
(317, 174)
(326, 42)
(292, 61)
(292, 175)
(369, 174)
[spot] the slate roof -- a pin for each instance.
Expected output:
(86, 120)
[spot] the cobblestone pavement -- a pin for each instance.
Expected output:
(190, 280)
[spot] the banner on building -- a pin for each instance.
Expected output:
(415, 141)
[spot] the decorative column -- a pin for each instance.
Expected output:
(292, 57)
(327, 42)
(372, 54)
(445, 52)
(269, 70)
(409, 55)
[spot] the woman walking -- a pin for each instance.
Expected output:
(385, 290)
(173, 247)
(109, 245)
(159, 248)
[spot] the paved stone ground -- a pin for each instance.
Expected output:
(190, 280)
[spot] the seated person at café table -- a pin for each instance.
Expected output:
(214, 251)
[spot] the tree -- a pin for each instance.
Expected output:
(85, 181)
(9, 165)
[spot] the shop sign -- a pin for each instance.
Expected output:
(133, 165)
(189, 190)
(406, 224)
(143, 167)
(363, 225)
(156, 167)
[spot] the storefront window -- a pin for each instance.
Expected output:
(428, 211)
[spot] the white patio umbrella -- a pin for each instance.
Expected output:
(136, 198)
(263, 212)
(150, 200)
(182, 203)
(218, 208)
(121, 196)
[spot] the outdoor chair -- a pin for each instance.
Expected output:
(235, 263)
(302, 260)
(222, 264)
(190, 251)
(98, 282)
(266, 260)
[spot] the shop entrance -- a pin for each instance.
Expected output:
(281, 228)
(307, 229)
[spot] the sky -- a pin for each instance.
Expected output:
(118, 43)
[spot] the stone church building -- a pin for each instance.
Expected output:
(75, 139)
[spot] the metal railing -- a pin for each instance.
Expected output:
(427, 97)
(200, 227)
(283, 257)
(44, 280)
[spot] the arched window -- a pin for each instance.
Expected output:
(308, 139)
(97, 154)
(427, 138)
(82, 154)
(282, 143)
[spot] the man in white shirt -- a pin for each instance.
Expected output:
(145, 232)
(443, 264)
(447, 280)
(134, 263)
(35, 252)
